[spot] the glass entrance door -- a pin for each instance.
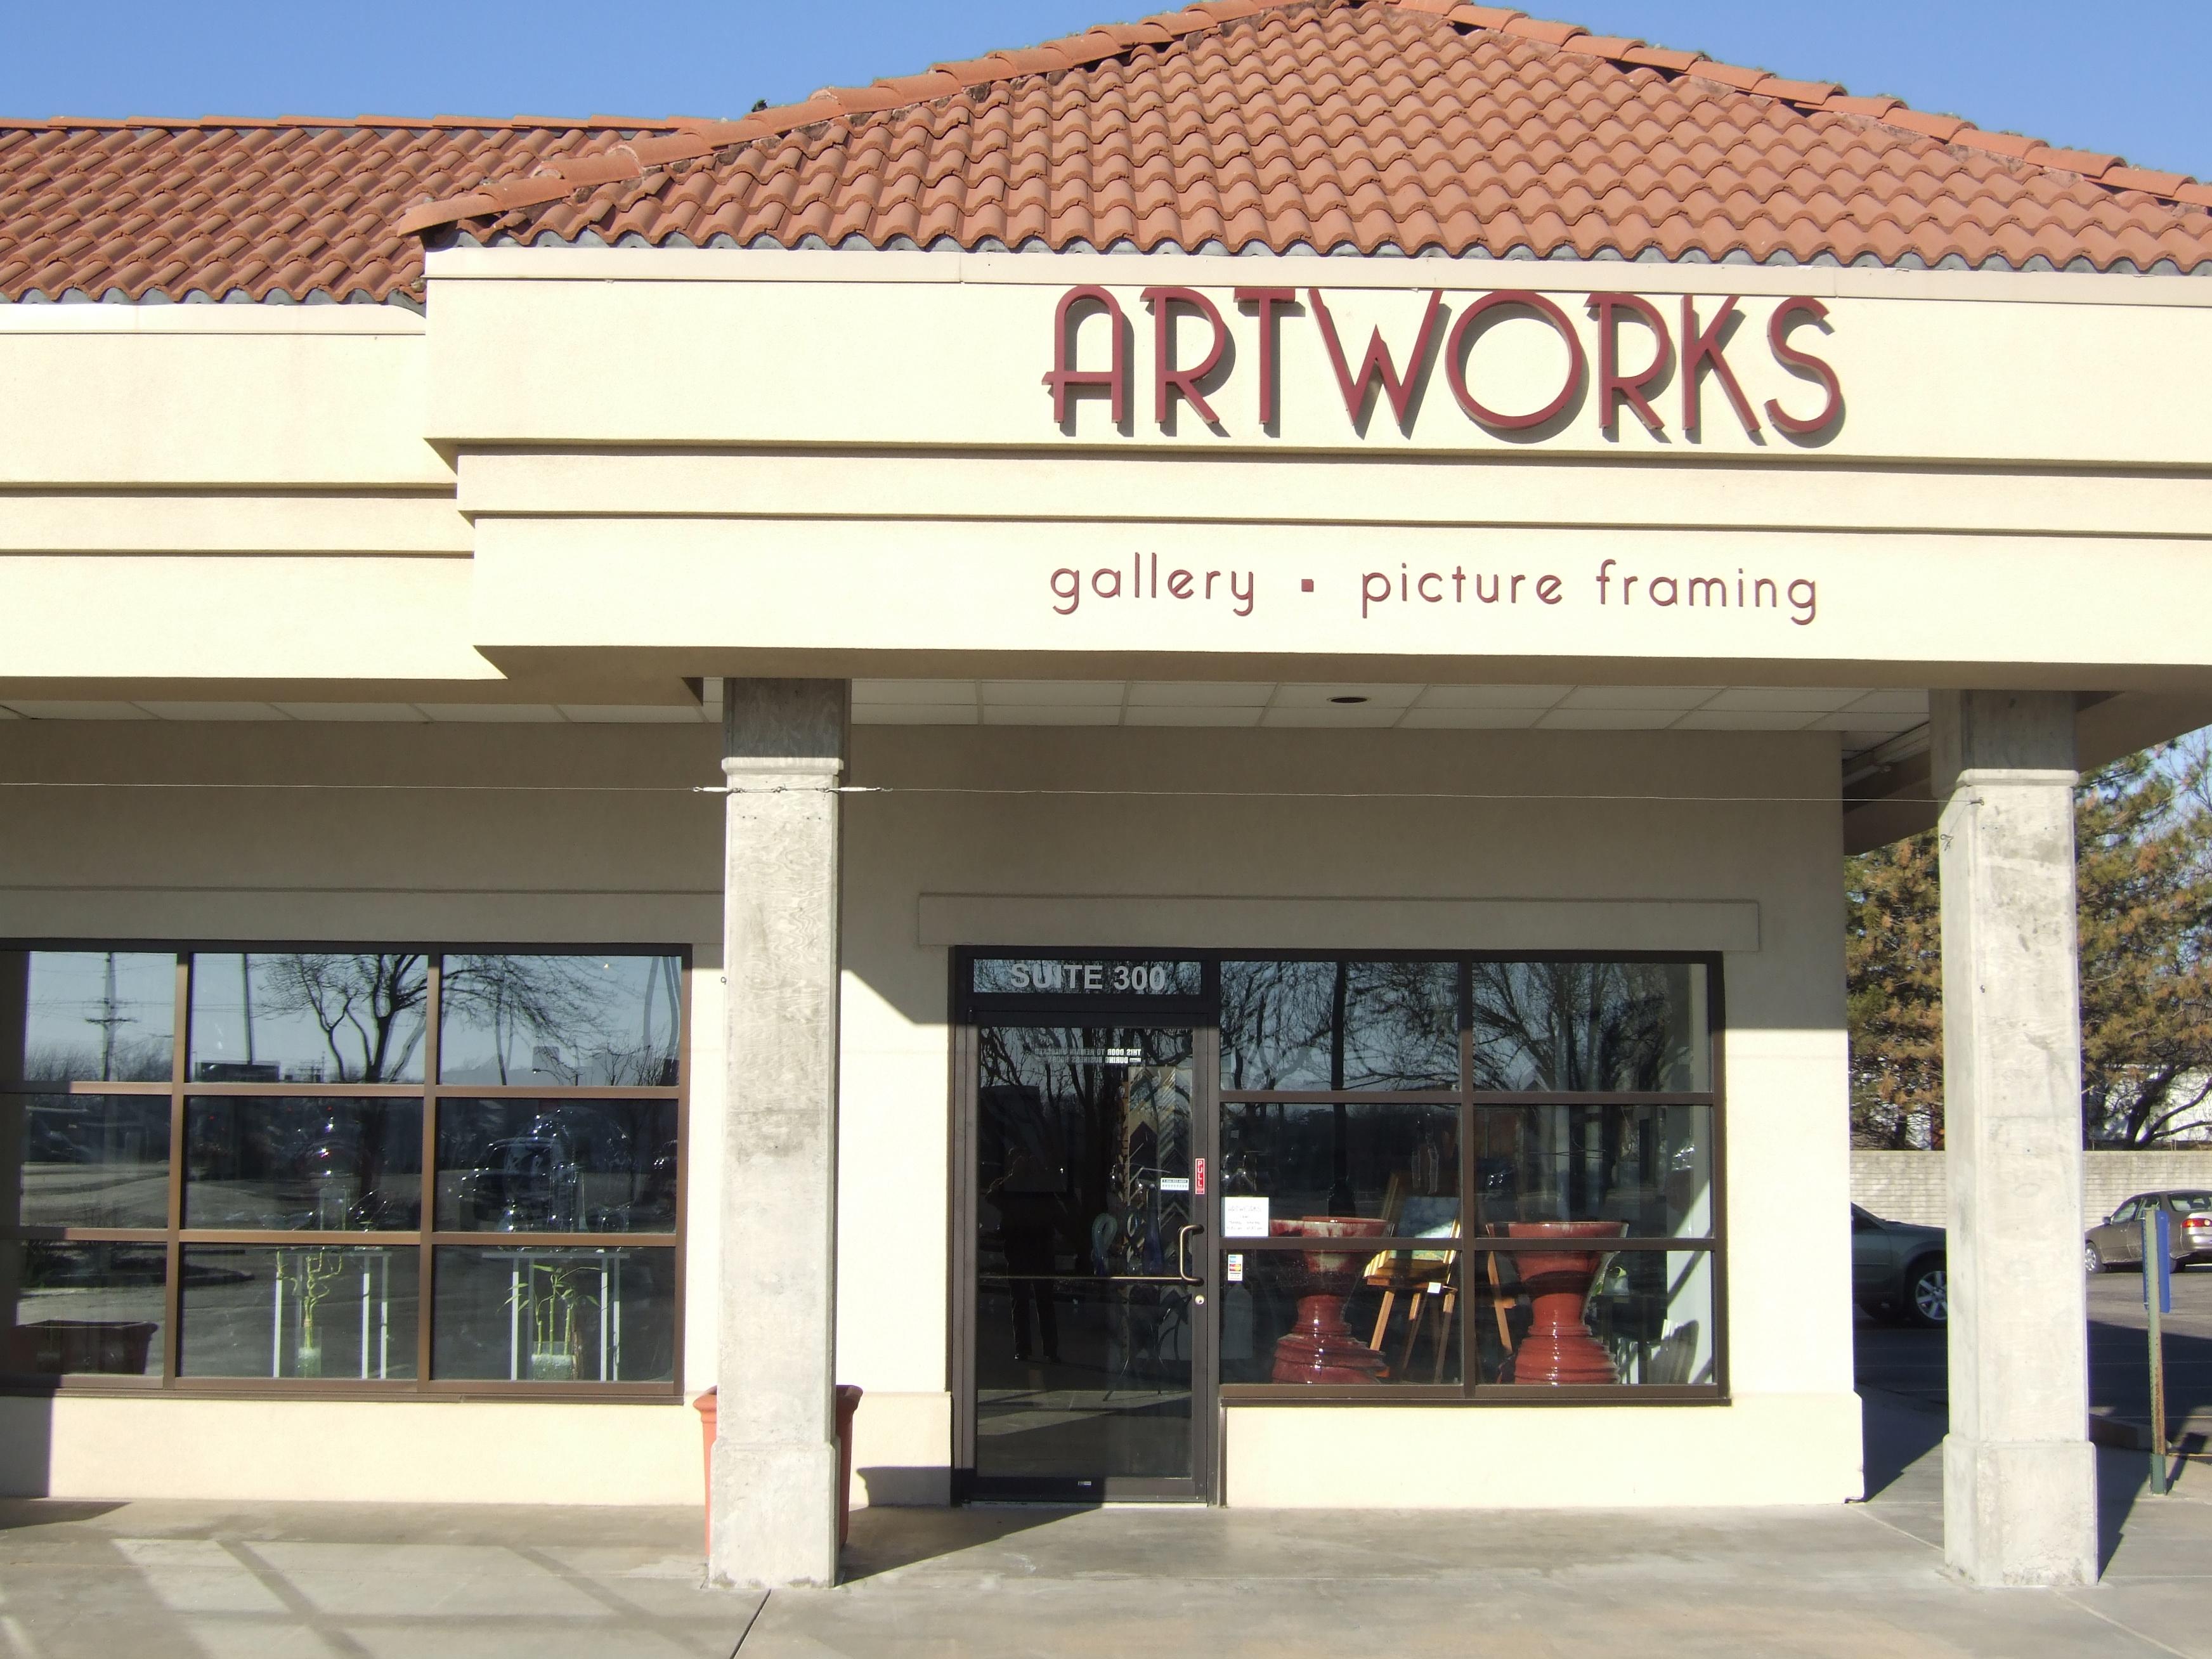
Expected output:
(1089, 1318)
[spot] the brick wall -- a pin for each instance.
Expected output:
(1910, 1186)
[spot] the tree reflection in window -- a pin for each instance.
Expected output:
(1081, 1131)
(308, 1016)
(87, 1016)
(1339, 1024)
(1585, 1026)
(568, 1021)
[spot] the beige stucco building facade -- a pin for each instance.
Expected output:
(469, 629)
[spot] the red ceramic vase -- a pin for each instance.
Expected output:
(1321, 1348)
(1559, 1348)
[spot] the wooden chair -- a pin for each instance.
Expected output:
(1420, 1281)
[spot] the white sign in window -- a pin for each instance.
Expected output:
(1244, 1218)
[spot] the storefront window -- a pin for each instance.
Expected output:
(560, 1022)
(1603, 1316)
(313, 1312)
(308, 1017)
(544, 1314)
(1345, 1159)
(1650, 1167)
(84, 1308)
(551, 1165)
(1570, 1101)
(239, 1197)
(1302, 1025)
(91, 1160)
(88, 1016)
(1597, 1026)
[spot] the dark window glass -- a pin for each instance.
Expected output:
(1582, 1314)
(1084, 1148)
(92, 1160)
(1397, 1163)
(1577, 1026)
(561, 1021)
(530, 1313)
(84, 1309)
(1650, 1167)
(307, 1017)
(311, 1165)
(87, 1016)
(557, 1166)
(339, 1311)
(1108, 1391)
(1331, 1025)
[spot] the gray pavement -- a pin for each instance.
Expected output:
(1858, 1582)
(364, 1580)
(1913, 1363)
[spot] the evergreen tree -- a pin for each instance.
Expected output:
(1893, 964)
(2143, 850)
(2143, 866)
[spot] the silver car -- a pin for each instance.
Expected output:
(2117, 1241)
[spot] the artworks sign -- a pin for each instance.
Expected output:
(1664, 372)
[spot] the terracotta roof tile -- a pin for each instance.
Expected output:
(300, 208)
(1412, 125)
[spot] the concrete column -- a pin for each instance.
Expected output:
(776, 1454)
(2019, 1487)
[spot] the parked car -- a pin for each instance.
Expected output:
(1898, 1270)
(2117, 1241)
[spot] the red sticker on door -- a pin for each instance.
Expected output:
(1199, 1169)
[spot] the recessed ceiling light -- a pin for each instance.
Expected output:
(1347, 700)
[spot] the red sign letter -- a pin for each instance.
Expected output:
(1166, 378)
(1802, 362)
(1612, 384)
(1700, 347)
(1267, 299)
(1455, 365)
(1065, 377)
(1376, 364)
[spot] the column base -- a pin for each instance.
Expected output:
(2021, 1512)
(775, 1521)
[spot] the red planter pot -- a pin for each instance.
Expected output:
(1559, 1348)
(1321, 1348)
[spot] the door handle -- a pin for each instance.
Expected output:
(1182, 1253)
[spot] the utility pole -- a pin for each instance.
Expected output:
(246, 1001)
(2157, 1300)
(109, 1017)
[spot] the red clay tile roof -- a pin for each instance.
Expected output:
(173, 209)
(1405, 125)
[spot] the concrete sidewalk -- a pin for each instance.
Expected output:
(1852, 1582)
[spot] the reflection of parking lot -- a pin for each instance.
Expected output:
(1913, 1362)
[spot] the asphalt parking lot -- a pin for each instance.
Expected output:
(1913, 1362)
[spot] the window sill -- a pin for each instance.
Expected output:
(1495, 1394)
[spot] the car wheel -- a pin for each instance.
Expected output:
(2093, 1258)
(1927, 1295)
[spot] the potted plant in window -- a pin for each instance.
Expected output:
(313, 1275)
(554, 1301)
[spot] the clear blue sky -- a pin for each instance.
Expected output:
(2126, 76)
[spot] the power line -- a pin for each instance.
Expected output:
(1008, 791)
